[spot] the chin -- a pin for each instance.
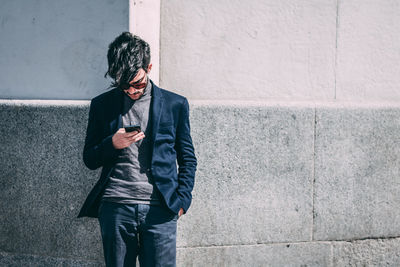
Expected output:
(135, 97)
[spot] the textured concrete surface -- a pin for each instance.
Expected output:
(44, 182)
(298, 254)
(254, 179)
(249, 49)
(18, 260)
(368, 53)
(254, 194)
(376, 252)
(57, 49)
(253, 162)
(357, 173)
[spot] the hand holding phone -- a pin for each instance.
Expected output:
(132, 128)
(127, 135)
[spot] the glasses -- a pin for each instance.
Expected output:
(137, 85)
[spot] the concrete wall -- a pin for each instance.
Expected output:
(293, 185)
(314, 50)
(57, 49)
(144, 20)
(295, 120)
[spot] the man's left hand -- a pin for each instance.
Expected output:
(180, 212)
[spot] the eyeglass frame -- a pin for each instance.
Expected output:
(139, 86)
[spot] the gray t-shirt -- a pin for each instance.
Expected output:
(131, 181)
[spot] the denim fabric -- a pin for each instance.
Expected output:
(137, 230)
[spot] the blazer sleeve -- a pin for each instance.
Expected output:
(98, 150)
(186, 158)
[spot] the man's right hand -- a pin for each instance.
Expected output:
(121, 139)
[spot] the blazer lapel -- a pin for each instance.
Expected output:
(116, 106)
(156, 108)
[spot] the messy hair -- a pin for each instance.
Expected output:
(126, 55)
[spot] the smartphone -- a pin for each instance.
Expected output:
(132, 128)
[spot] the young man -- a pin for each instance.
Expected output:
(141, 193)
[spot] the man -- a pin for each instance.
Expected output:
(141, 193)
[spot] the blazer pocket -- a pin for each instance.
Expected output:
(166, 133)
(166, 124)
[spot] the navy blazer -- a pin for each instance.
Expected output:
(170, 141)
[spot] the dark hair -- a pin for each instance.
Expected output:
(126, 55)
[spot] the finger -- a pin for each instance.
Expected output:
(137, 137)
(138, 134)
(130, 134)
(131, 137)
(121, 130)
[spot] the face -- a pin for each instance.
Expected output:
(136, 87)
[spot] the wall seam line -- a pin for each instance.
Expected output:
(313, 174)
(328, 242)
(336, 48)
(130, 16)
(159, 47)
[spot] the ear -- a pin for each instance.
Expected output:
(149, 68)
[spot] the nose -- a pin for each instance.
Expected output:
(130, 91)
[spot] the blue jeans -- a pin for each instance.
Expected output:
(131, 230)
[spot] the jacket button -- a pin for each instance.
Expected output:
(148, 170)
